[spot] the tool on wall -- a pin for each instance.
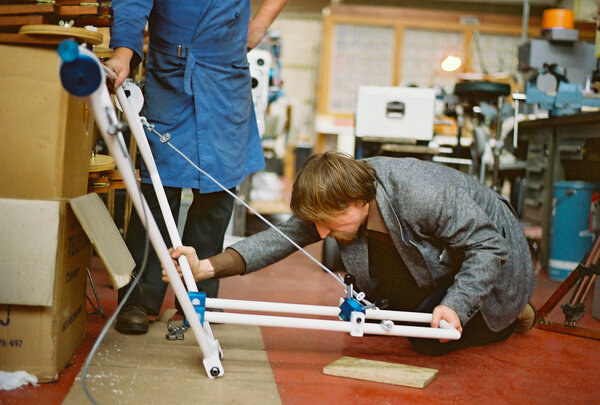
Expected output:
(84, 76)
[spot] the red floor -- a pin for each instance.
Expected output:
(541, 367)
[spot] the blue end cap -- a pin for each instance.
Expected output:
(80, 76)
(198, 299)
(68, 50)
(348, 306)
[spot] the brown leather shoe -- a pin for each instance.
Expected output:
(527, 319)
(132, 320)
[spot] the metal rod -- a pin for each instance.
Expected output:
(317, 310)
(139, 134)
(104, 112)
(330, 325)
(99, 309)
(525, 21)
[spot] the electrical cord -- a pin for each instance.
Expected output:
(134, 284)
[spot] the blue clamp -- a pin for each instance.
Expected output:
(348, 306)
(198, 299)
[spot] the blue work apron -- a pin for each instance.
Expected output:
(198, 89)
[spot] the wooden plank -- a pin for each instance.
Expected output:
(18, 20)
(77, 2)
(381, 371)
(93, 20)
(7, 9)
(9, 38)
(91, 37)
(76, 10)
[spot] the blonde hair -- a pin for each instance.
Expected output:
(328, 183)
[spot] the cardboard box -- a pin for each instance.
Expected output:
(47, 135)
(45, 256)
(45, 252)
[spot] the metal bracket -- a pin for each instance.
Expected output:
(349, 307)
(198, 299)
(164, 138)
(592, 269)
(175, 332)
(357, 319)
(573, 313)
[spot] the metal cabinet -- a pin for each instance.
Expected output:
(538, 180)
(559, 148)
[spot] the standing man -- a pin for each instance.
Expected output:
(197, 89)
(422, 236)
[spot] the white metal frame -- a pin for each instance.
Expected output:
(356, 326)
(106, 119)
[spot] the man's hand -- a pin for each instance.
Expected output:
(260, 23)
(119, 63)
(201, 269)
(255, 35)
(449, 315)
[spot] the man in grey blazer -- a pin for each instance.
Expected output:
(421, 236)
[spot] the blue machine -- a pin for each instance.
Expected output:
(568, 99)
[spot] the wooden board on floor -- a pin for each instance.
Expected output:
(149, 369)
(381, 371)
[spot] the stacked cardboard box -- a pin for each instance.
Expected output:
(46, 137)
(45, 255)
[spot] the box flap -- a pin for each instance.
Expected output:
(106, 238)
(28, 248)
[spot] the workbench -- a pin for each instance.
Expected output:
(558, 148)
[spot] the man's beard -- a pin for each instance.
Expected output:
(344, 238)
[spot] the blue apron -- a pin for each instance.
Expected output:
(197, 87)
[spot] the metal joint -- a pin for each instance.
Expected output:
(592, 269)
(164, 138)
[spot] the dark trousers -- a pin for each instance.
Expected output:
(397, 285)
(475, 332)
(204, 229)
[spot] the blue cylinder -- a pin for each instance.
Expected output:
(574, 223)
(80, 73)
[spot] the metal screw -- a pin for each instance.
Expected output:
(214, 371)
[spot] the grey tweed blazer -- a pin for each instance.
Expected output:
(442, 222)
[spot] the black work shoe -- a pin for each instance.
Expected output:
(132, 320)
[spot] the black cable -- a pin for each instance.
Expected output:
(134, 284)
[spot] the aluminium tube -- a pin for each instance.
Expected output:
(139, 134)
(320, 310)
(103, 111)
(446, 332)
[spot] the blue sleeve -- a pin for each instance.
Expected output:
(129, 23)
